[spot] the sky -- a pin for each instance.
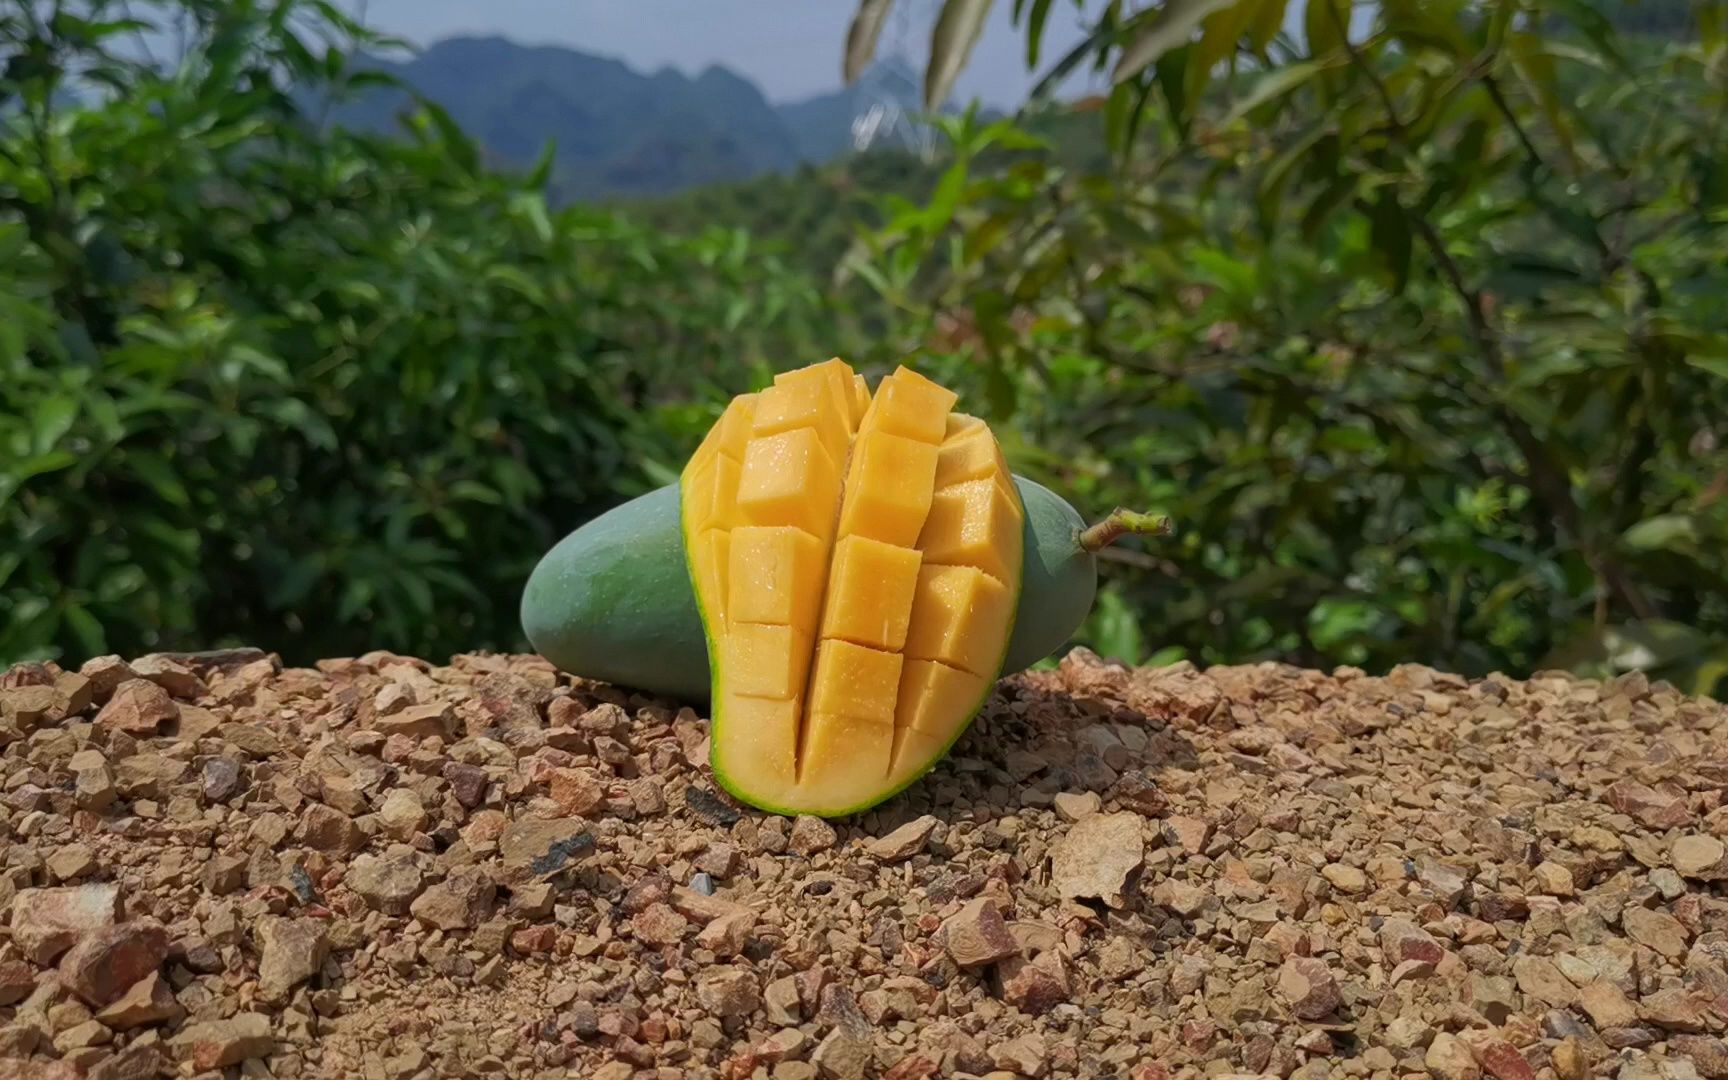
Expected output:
(789, 48)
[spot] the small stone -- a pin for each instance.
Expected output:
(418, 722)
(1074, 805)
(781, 1002)
(1097, 857)
(658, 924)
(467, 783)
(1307, 985)
(1449, 1059)
(1025, 1056)
(1497, 1057)
(1403, 940)
(729, 992)
(1569, 1060)
(576, 791)
(540, 847)
(1656, 929)
(1709, 1055)
(221, 779)
(217, 1044)
(171, 675)
(1034, 986)
(329, 829)
(977, 935)
(784, 1045)
(462, 901)
(140, 1061)
(811, 835)
(1552, 879)
(107, 961)
(842, 1056)
(1653, 809)
(402, 814)
(905, 841)
(1538, 977)
(1607, 1006)
(388, 883)
(138, 707)
(726, 936)
(105, 674)
(709, 807)
(1673, 1009)
(702, 884)
(71, 862)
(147, 1001)
(1181, 897)
(1348, 880)
(291, 951)
(17, 981)
(1448, 883)
(1703, 858)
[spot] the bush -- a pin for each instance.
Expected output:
(309, 390)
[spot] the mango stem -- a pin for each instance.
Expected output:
(1122, 523)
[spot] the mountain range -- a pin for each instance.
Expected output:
(620, 132)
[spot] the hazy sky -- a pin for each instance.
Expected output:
(790, 48)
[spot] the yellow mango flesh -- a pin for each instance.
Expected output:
(857, 560)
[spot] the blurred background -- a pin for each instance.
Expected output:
(320, 323)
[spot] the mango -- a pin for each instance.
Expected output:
(841, 576)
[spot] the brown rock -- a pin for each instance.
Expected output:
(107, 961)
(138, 707)
(171, 675)
(329, 829)
(842, 1056)
(1448, 1058)
(781, 1002)
(1306, 984)
(291, 951)
(1403, 940)
(1348, 880)
(726, 936)
(1651, 808)
(1024, 1056)
(1569, 1060)
(729, 992)
(147, 1001)
(576, 791)
(1708, 1055)
(977, 935)
(811, 835)
(1552, 879)
(537, 847)
(419, 722)
(140, 1061)
(462, 901)
(402, 814)
(17, 981)
(1538, 977)
(216, 1044)
(1073, 805)
(27, 708)
(105, 674)
(1497, 1057)
(1673, 1009)
(904, 842)
(1034, 986)
(1656, 929)
(658, 924)
(1703, 858)
(47, 922)
(388, 884)
(1606, 1005)
(1097, 858)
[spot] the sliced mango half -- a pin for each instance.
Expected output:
(856, 559)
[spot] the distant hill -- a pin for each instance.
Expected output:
(620, 132)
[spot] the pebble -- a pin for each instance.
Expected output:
(904, 842)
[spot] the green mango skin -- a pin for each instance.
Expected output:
(613, 601)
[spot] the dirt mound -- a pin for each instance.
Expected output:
(389, 870)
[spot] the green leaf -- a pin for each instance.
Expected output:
(1268, 20)
(1160, 31)
(1034, 29)
(1665, 531)
(1713, 365)
(53, 418)
(1320, 24)
(1272, 85)
(1389, 233)
(957, 31)
(861, 37)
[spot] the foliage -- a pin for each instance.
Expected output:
(311, 390)
(1411, 320)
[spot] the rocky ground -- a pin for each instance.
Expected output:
(387, 870)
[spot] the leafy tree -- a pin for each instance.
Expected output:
(311, 390)
(1410, 318)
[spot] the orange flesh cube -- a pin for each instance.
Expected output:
(974, 524)
(910, 405)
(789, 479)
(711, 569)
(775, 575)
(734, 426)
(855, 682)
(870, 593)
(854, 628)
(932, 693)
(953, 616)
(888, 488)
(763, 742)
(805, 405)
(765, 661)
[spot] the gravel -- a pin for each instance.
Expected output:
(383, 868)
